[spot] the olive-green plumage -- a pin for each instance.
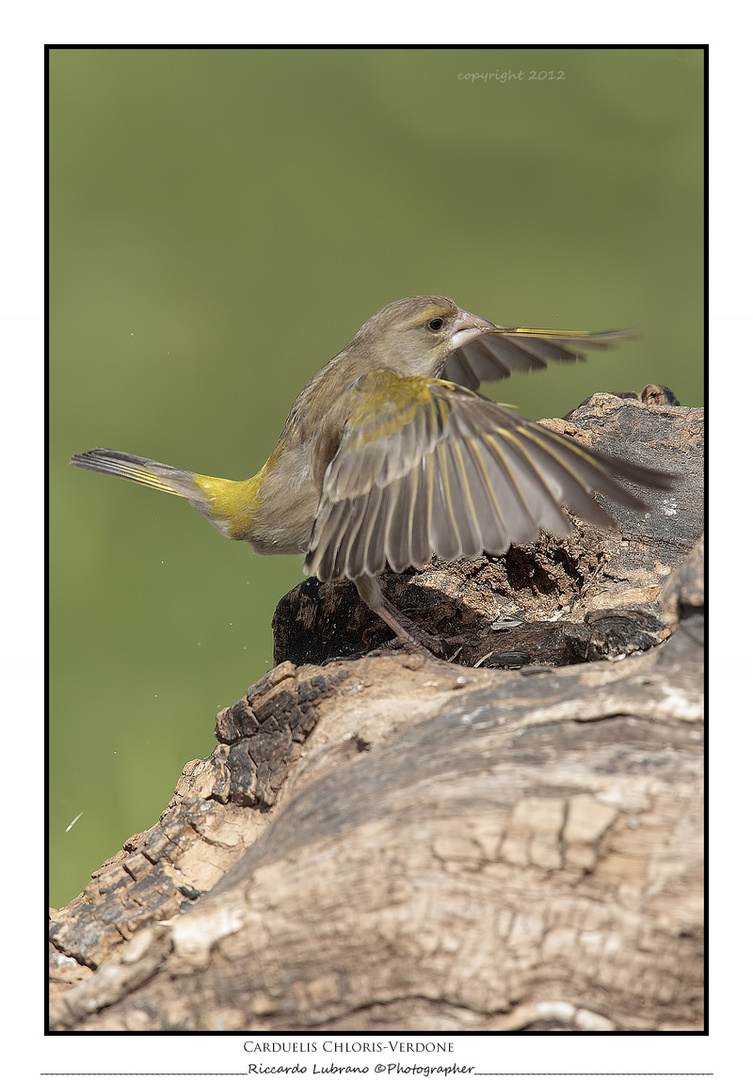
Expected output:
(389, 455)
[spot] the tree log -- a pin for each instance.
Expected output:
(396, 842)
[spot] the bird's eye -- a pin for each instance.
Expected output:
(436, 323)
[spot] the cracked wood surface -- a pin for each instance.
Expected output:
(400, 843)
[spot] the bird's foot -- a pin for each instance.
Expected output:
(407, 630)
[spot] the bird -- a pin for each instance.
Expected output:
(390, 455)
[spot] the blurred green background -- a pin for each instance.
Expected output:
(222, 222)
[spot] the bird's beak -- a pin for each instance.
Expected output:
(467, 328)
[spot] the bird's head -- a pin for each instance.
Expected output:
(416, 335)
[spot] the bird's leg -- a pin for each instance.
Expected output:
(371, 593)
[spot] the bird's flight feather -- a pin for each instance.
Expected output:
(441, 469)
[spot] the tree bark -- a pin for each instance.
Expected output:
(396, 842)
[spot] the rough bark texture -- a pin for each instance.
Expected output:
(401, 843)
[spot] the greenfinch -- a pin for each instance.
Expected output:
(389, 455)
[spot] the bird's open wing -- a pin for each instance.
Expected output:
(435, 468)
(507, 348)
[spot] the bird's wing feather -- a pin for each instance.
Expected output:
(506, 349)
(438, 469)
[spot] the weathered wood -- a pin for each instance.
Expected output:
(400, 843)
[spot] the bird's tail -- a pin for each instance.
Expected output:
(152, 474)
(230, 505)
